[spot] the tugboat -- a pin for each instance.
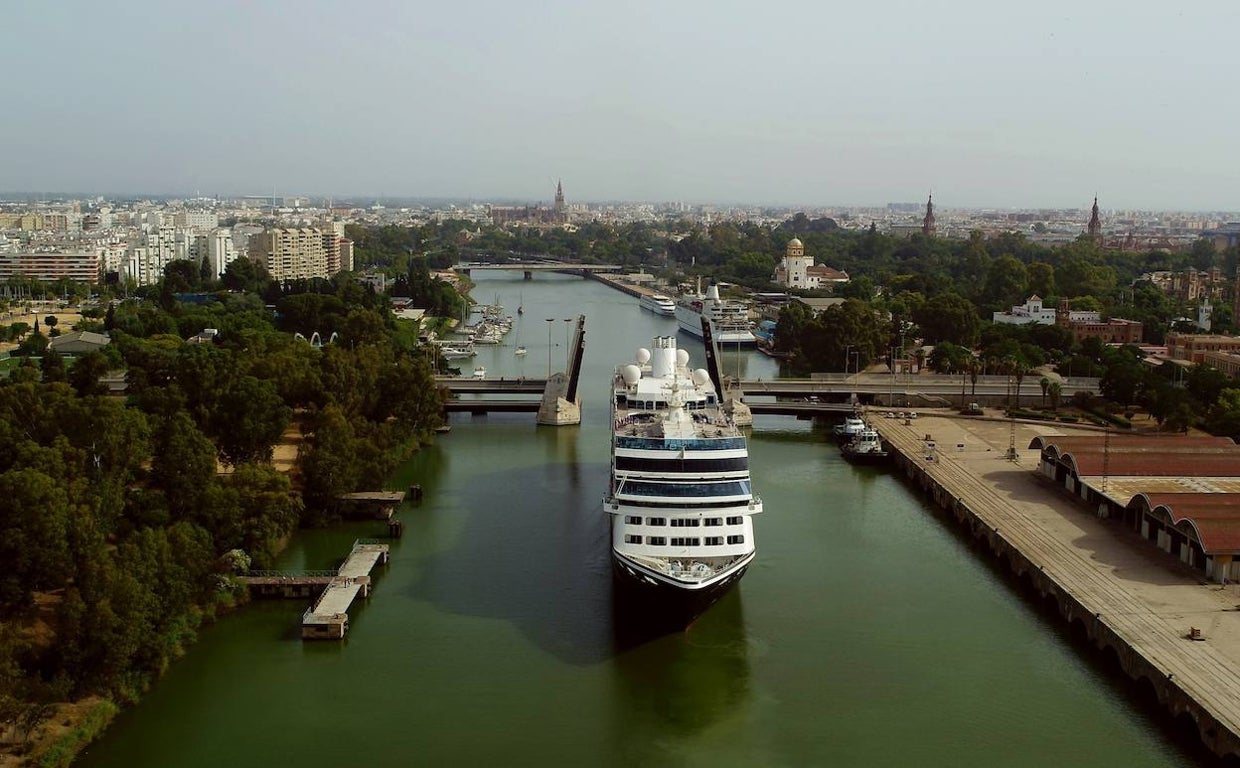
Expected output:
(865, 448)
(680, 498)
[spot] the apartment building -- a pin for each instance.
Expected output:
(291, 253)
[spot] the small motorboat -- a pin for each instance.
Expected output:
(519, 351)
(480, 372)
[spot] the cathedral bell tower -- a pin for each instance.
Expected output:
(1095, 224)
(927, 224)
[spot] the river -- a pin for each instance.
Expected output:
(867, 633)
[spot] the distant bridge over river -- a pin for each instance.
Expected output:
(530, 267)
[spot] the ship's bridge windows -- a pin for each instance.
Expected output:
(657, 541)
(632, 520)
(675, 463)
(685, 542)
(685, 490)
(736, 539)
(632, 539)
(685, 522)
(714, 541)
(714, 522)
(656, 521)
(676, 444)
(735, 520)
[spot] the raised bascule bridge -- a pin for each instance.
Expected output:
(558, 402)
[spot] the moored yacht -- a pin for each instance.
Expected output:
(680, 497)
(658, 304)
(851, 427)
(729, 320)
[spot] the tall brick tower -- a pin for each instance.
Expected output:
(927, 224)
(1095, 224)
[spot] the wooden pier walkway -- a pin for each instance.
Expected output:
(328, 618)
(1123, 600)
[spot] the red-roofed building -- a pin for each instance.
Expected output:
(1200, 529)
(1200, 526)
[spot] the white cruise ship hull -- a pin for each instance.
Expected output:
(691, 323)
(660, 306)
(654, 600)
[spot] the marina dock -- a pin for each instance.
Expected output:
(379, 505)
(1176, 638)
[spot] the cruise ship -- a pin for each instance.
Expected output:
(680, 498)
(658, 304)
(729, 320)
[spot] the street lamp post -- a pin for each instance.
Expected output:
(567, 332)
(847, 357)
(550, 320)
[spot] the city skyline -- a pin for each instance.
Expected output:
(788, 105)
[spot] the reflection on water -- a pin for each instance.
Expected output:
(685, 678)
(530, 547)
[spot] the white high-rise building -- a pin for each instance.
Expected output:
(220, 252)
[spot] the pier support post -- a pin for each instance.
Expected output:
(529, 274)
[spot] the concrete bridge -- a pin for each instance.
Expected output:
(529, 268)
(919, 390)
(831, 390)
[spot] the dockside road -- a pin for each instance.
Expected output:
(1126, 598)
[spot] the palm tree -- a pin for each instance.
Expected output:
(1021, 370)
(1055, 389)
(1046, 384)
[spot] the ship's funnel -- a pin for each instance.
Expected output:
(663, 357)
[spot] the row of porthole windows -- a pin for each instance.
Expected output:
(678, 541)
(684, 522)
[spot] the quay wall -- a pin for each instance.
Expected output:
(1051, 583)
(630, 289)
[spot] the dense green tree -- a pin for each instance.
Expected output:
(184, 465)
(248, 420)
(53, 367)
(1006, 282)
(1042, 279)
(34, 514)
(948, 317)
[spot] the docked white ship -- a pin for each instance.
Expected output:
(680, 497)
(658, 304)
(729, 320)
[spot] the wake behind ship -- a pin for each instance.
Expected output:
(680, 497)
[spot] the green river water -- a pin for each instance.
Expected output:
(867, 633)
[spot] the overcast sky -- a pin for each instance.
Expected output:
(984, 102)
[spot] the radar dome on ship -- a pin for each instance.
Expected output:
(682, 357)
(643, 356)
(700, 377)
(631, 374)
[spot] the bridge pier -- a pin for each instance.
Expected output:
(528, 274)
(556, 410)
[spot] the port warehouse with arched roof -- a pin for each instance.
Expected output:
(1182, 494)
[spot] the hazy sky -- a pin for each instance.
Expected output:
(987, 103)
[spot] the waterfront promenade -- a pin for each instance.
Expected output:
(1124, 597)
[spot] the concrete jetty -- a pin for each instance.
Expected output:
(328, 618)
(1175, 637)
